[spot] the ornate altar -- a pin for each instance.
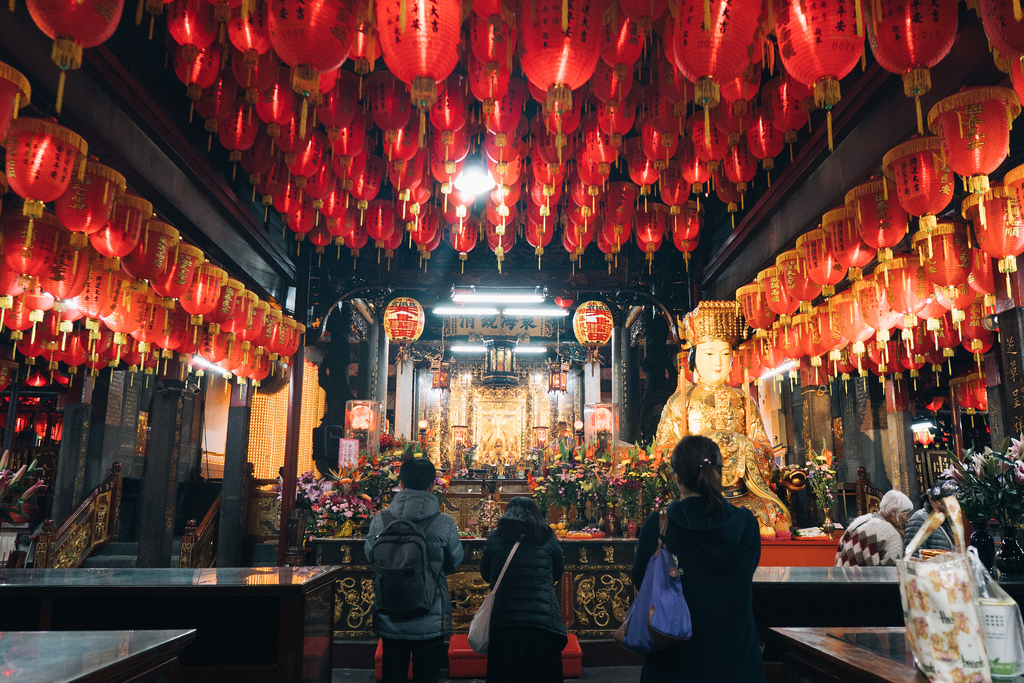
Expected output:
(595, 589)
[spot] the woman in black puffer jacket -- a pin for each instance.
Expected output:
(527, 631)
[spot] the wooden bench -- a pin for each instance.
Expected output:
(463, 662)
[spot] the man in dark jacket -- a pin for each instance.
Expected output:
(717, 557)
(422, 637)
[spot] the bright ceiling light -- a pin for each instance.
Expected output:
(494, 296)
(531, 349)
(537, 312)
(467, 348)
(475, 179)
(921, 426)
(785, 367)
(465, 310)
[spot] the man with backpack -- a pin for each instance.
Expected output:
(412, 546)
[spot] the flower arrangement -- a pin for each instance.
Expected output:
(990, 483)
(336, 508)
(14, 488)
(821, 477)
(440, 490)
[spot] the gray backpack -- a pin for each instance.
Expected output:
(404, 585)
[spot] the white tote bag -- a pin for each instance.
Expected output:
(480, 627)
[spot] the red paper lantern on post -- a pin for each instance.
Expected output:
(881, 220)
(86, 206)
(844, 240)
(974, 125)
(41, 156)
(820, 45)
(909, 42)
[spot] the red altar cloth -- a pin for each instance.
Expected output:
(811, 552)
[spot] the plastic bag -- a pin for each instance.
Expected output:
(1000, 622)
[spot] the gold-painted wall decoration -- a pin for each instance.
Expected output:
(269, 424)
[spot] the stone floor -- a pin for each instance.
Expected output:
(604, 674)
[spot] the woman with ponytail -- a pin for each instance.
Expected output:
(717, 547)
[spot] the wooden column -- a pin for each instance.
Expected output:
(69, 482)
(231, 536)
(160, 483)
(899, 446)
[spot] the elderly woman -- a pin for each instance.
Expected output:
(876, 539)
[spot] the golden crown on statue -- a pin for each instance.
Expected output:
(714, 320)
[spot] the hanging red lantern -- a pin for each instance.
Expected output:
(847, 319)
(29, 246)
(176, 281)
(102, 290)
(793, 274)
(192, 24)
(651, 226)
(998, 225)
(945, 253)
(276, 103)
(464, 239)
(693, 170)
(499, 240)
(154, 253)
(974, 125)
(129, 312)
(199, 72)
(711, 40)
(237, 130)
(820, 262)
(908, 42)
(1005, 34)
(906, 288)
(785, 100)
(881, 221)
(740, 167)
(622, 42)
(728, 193)
(874, 306)
(120, 236)
(819, 46)
(15, 93)
(249, 31)
(844, 241)
(777, 297)
(560, 61)
(41, 156)
(74, 25)
(381, 221)
(86, 206)
(924, 183)
(66, 277)
(764, 140)
(755, 306)
(204, 294)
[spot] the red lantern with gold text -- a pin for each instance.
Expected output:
(86, 206)
(847, 318)
(906, 288)
(41, 157)
(844, 241)
(403, 321)
(30, 245)
(74, 25)
(874, 306)
(120, 236)
(998, 225)
(755, 307)
(205, 293)
(764, 140)
(820, 262)
(154, 253)
(881, 221)
(793, 274)
(924, 182)
(66, 277)
(592, 323)
(1002, 21)
(777, 297)
(102, 290)
(711, 40)
(908, 42)
(178, 278)
(561, 46)
(974, 125)
(820, 45)
(945, 253)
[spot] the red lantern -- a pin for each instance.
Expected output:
(249, 31)
(974, 125)
(592, 323)
(40, 158)
(29, 246)
(651, 225)
(102, 290)
(66, 277)
(906, 288)
(844, 241)
(881, 220)
(755, 307)
(711, 40)
(381, 221)
(86, 206)
(945, 253)
(276, 103)
(764, 140)
(154, 253)
(874, 306)
(15, 93)
(847, 318)
(740, 167)
(820, 262)
(924, 184)
(420, 44)
(981, 279)
(176, 281)
(779, 300)
(785, 100)
(693, 170)
(1002, 21)
(237, 129)
(74, 25)
(120, 236)
(560, 61)
(192, 23)
(793, 273)
(205, 293)
(819, 46)
(998, 225)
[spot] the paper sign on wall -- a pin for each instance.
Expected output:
(348, 453)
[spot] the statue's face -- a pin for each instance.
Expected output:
(713, 361)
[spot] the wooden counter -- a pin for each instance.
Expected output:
(254, 624)
(811, 552)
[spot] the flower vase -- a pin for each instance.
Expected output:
(1010, 558)
(827, 526)
(631, 528)
(982, 540)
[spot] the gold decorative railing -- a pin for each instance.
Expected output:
(90, 527)
(199, 544)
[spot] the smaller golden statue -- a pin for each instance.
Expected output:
(490, 511)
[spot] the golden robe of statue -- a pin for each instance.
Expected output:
(724, 414)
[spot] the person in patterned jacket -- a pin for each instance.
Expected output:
(876, 539)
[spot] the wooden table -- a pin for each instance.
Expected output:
(254, 623)
(92, 656)
(809, 552)
(848, 655)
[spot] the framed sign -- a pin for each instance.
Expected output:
(348, 453)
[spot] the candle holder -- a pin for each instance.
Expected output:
(363, 422)
(601, 427)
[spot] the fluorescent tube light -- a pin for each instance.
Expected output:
(531, 349)
(785, 367)
(921, 426)
(549, 312)
(465, 310)
(467, 348)
(497, 297)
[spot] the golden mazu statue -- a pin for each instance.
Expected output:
(726, 415)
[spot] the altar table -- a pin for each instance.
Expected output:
(257, 624)
(809, 552)
(93, 656)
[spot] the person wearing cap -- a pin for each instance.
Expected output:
(940, 539)
(876, 539)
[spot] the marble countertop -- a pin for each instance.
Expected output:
(59, 656)
(230, 577)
